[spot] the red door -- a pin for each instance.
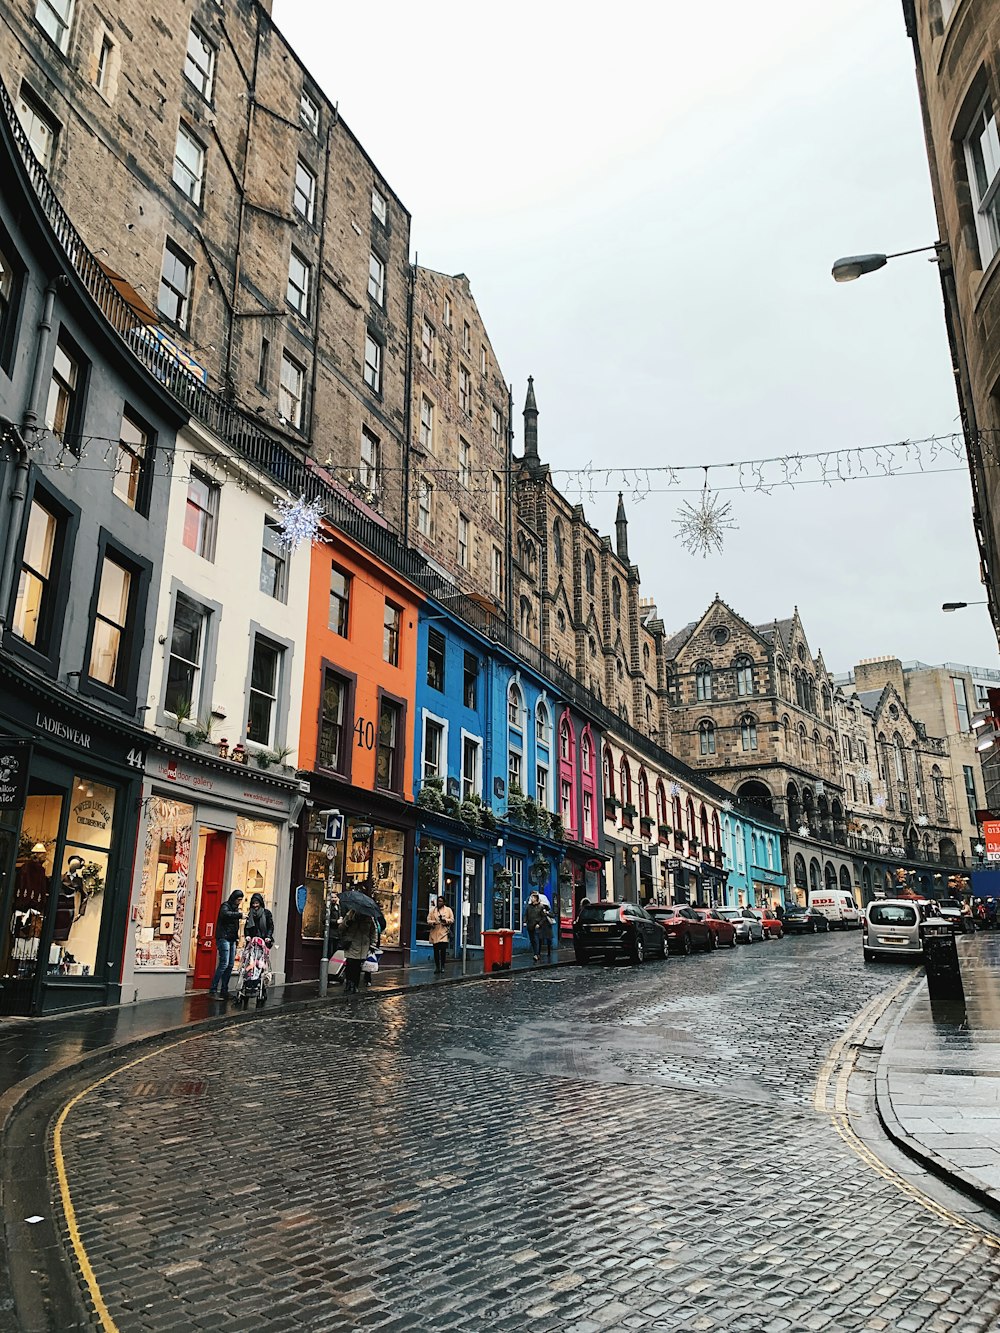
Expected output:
(210, 891)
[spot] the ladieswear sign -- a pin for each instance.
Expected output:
(15, 761)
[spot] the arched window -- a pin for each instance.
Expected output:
(592, 646)
(744, 676)
(542, 723)
(645, 654)
(812, 694)
(783, 678)
(609, 773)
(797, 684)
(661, 804)
(678, 826)
(716, 831)
(899, 757)
(524, 617)
(588, 572)
(586, 752)
(625, 774)
(704, 828)
(786, 729)
(649, 712)
(703, 680)
(616, 598)
(817, 752)
(937, 782)
(706, 736)
(831, 756)
(748, 731)
(561, 620)
(565, 739)
(515, 704)
(802, 741)
(690, 818)
(826, 701)
(557, 544)
(643, 792)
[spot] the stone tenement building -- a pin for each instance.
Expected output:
(202, 164)
(460, 440)
(956, 45)
(577, 596)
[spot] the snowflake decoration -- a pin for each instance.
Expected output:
(727, 806)
(702, 527)
(865, 775)
(923, 821)
(299, 521)
(675, 789)
(803, 830)
(880, 801)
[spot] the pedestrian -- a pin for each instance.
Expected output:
(357, 939)
(259, 924)
(440, 919)
(538, 920)
(227, 932)
(779, 911)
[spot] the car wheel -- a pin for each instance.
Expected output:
(750, 936)
(869, 956)
(639, 951)
(581, 958)
(713, 941)
(732, 942)
(663, 948)
(781, 933)
(812, 927)
(686, 946)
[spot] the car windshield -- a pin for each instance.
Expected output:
(595, 914)
(953, 903)
(892, 914)
(796, 911)
(729, 913)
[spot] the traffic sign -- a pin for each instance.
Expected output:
(334, 826)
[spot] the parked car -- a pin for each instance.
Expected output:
(804, 921)
(838, 906)
(770, 925)
(723, 931)
(684, 928)
(952, 910)
(892, 926)
(612, 930)
(746, 927)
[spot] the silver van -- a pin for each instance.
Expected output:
(892, 926)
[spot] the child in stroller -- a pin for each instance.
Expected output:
(255, 965)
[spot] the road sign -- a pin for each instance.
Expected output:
(334, 826)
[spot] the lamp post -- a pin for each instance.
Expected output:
(856, 266)
(960, 606)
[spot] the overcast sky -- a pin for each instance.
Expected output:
(647, 199)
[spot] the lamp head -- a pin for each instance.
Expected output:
(856, 266)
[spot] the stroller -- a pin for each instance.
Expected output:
(255, 973)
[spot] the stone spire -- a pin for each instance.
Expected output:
(531, 424)
(621, 530)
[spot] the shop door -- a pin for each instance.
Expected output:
(211, 888)
(25, 945)
(474, 897)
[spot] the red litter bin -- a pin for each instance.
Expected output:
(498, 950)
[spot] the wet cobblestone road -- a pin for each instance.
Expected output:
(579, 1151)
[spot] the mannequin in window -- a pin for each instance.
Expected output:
(71, 885)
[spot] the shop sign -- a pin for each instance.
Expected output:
(991, 837)
(593, 865)
(15, 760)
(62, 731)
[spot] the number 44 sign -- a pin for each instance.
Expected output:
(136, 758)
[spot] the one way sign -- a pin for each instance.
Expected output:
(334, 826)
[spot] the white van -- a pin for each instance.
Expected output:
(838, 906)
(893, 926)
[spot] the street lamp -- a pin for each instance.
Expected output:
(960, 606)
(856, 266)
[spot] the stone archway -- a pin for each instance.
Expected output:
(757, 795)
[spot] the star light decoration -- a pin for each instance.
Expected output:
(865, 775)
(727, 806)
(803, 830)
(879, 801)
(675, 789)
(702, 527)
(923, 821)
(298, 521)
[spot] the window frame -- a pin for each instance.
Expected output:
(70, 436)
(204, 86)
(437, 658)
(298, 291)
(425, 507)
(428, 345)
(464, 462)
(391, 633)
(185, 300)
(426, 425)
(465, 390)
(145, 460)
(343, 602)
(279, 717)
(296, 416)
(470, 676)
(67, 516)
(372, 368)
(380, 209)
(205, 667)
(706, 737)
(133, 635)
(194, 192)
(396, 778)
(371, 467)
(309, 112)
(985, 202)
(462, 552)
(308, 213)
(205, 549)
(62, 22)
(11, 267)
(470, 786)
(350, 681)
(376, 278)
(35, 108)
(271, 544)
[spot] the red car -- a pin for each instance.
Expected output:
(685, 929)
(723, 931)
(773, 929)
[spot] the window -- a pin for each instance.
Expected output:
(189, 164)
(470, 680)
(557, 544)
(133, 445)
(40, 128)
(390, 634)
(54, 18)
(970, 790)
(703, 681)
(333, 709)
(64, 408)
(379, 207)
(464, 462)
(561, 619)
(744, 676)
(542, 786)
(447, 312)
(566, 802)
(263, 363)
(643, 792)
(616, 599)
(199, 63)
(482, 358)
(496, 428)
(961, 702)
(10, 281)
(184, 665)
(36, 588)
(542, 724)
(565, 740)
(982, 154)
(513, 770)
(496, 581)
(200, 515)
(433, 756)
(371, 460)
(748, 732)
(625, 778)
(387, 765)
(899, 759)
(470, 768)
(265, 671)
(706, 737)
(273, 561)
(586, 752)
(108, 649)
(290, 386)
(465, 390)
(463, 541)
(588, 816)
(299, 281)
(466, 337)
(524, 618)
(376, 279)
(102, 75)
(425, 508)
(304, 196)
(309, 111)
(176, 278)
(426, 423)
(515, 706)
(496, 498)
(589, 570)
(427, 341)
(340, 601)
(435, 660)
(373, 363)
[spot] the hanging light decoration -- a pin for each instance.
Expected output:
(702, 527)
(298, 521)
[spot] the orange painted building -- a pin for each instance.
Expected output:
(358, 700)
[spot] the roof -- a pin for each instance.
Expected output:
(677, 641)
(784, 628)
(868, 699)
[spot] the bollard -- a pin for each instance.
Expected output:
(944, 975)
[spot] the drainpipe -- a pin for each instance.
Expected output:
(19, 484)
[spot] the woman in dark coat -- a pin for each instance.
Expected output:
(227, 932)
(357, 939)
(259, 924)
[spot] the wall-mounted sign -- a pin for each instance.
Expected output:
(498, 787)
(15, 760)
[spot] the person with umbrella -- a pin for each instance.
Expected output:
(358, 933)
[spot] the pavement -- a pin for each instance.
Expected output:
(678, 1146)
(938, 1081)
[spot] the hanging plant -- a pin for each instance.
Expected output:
(431, 795)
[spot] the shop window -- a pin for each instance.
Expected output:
(265, 676)
(200, 515)
(64, 407)
(435, 660)
(374, 862)
(388, 756)
(132, 464)
(428, 883)
(340, 601)
(390, 634)
(471, 680)
(162, 906)
(187, 648)
(37, 583)
(273, 561)
(334, 737)
(113, 623)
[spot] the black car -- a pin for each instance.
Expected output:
(612, 930)
(804, 921)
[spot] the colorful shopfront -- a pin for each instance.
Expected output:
(208, 827)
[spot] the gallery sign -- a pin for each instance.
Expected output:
(991, 837)
(15, 761)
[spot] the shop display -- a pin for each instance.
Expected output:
(164, 888)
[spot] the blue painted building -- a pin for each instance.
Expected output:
(752, 856)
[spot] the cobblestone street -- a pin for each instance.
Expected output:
(577, 1151)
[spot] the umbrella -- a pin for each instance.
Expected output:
(353, 900)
